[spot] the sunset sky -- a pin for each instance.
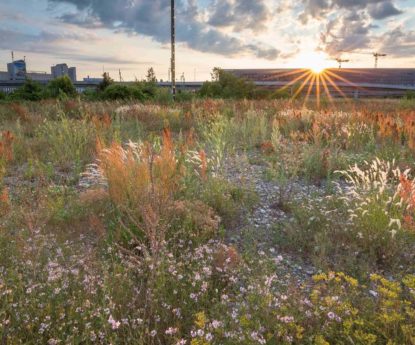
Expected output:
(133, 35)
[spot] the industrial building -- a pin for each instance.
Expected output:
(62, 69)
(336, 82)
(17, 71)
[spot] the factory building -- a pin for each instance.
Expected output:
(39, 76)
(4, 76)
(337, 82)
(17, 70)
(387, 76)
(72, 74)
(62, 69)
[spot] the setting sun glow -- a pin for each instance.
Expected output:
(317, 62)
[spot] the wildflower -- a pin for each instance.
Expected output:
(287, 319)
(92, 336)
(200, 332)
(114, 324)
(333, 316)
(224, 297)
(43, 327)
(278, 259)
(181, 342)
(216, 324)
(373, 293)
(153, 333)
(171, 331)
(209, 337)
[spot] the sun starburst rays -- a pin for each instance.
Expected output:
(326, 82)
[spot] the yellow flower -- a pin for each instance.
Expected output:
(200, 320)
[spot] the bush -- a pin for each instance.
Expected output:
(226, 85)
(163, 96)
(61, 87)
(3, 96)
(30, 91)
(123, 92)
(145, 183)
(90, 95)
(184, 96)
(410, 95)
(281, 94)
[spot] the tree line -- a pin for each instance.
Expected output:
(223, 85)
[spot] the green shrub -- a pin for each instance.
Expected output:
(30, 91)
(410, 95)
(226, 85)
(61, 87)
(163, 96)
(123, 92)
(281, 94)
(3, 95)
(184, 96)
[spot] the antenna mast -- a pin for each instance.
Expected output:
(173, 50)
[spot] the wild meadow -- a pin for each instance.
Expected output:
(207, 222)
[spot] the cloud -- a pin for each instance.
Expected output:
(397, 43)
(47, 43)
(348, 24)
(240, 14)
(383, 10)
(152, 19)
(377, 9)
(346, 34)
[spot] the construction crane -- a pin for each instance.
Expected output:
(377, 56)
(340, 61)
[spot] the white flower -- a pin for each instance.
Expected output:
(114, 324)
(171, 331)
(373, 293)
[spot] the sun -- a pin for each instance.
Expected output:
(315, 61)
(317, 69)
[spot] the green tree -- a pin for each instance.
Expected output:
(29, 91)
(227, 85)
(123, 92)
(106, 81)
(151, 76)
(61, 86)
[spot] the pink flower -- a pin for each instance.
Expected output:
(114, 324)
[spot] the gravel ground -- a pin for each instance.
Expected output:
(262, 221)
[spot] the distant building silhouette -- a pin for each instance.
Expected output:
(17, 70)
(62, 69)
